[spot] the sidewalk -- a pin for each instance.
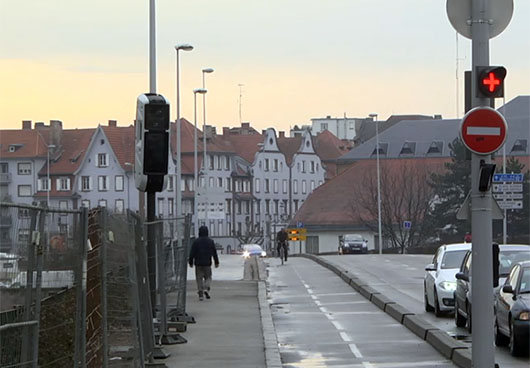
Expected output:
(228, 332)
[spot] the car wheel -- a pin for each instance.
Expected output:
(428, 308)
(459, 320)
(500, 339)
(437, 311)
(516, 348)
(469, 319)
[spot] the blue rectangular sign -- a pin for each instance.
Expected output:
(499, 178)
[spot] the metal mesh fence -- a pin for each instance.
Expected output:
(41, 289)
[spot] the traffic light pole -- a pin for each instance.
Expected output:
(483, 355)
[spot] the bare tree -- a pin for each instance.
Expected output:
(405, 196)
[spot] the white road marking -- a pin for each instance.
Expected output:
(345, 337)
(434, 363)
(331, 294)
(314, 297)
(337, 325)
(329, 316)
(323, 310)
(310, 291)
(356, 351)
(339, 303)
(318, 303)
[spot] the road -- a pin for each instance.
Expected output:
(320, 321)
(400, 277)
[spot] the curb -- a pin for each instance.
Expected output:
(450, 348)
(270, 340)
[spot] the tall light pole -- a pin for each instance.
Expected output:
(131, 165)
(48, 182)
(380, 233)
(201, 91)
(178, 179)
(204, 72)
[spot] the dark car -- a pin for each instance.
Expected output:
(512, 311)
(509, 254)
(352, 243)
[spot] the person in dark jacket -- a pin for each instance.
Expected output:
(281, 239)
(202, 252)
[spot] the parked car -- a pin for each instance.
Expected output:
(439, 283)
(512, 311)
(352, 243)
(250, 250)
(509, 254)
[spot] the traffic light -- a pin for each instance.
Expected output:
(296, 234)
(490, 81)
(151, 142)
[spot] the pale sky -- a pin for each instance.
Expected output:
(85, 62)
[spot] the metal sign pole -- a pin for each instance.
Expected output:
(481, 208)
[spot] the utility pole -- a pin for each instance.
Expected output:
(240, 102)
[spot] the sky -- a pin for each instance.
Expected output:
(85, 62)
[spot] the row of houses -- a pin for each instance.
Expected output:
(407, 145)
(251, 184)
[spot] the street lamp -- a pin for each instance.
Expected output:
(128, 188)
(204, 72)
(374, 116)
(48, 182)
(201, 91)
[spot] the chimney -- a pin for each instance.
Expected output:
(282, 134)
(226, 131)
(56, 132)
(245, 125)
(113, 123)
(263, 131)
(39, 125)
(26, 124)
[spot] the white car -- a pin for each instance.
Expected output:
(440, 283)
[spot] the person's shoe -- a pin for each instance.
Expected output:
(201, 298)
(207, 295)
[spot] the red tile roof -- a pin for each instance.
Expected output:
(70, 154)
(30, 143)
(121, 140)
(244, 146)
(332, 203)
(289, 146)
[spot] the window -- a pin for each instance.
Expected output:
(383, 149)
(211, 182)
(23, 213)
(267, 206)
(211, 160)
(312, 167)
(102, 203)
(295, 186)
(435, 148)
(227, 163)
(63, 184)
(24, 168)
(103, 184)
(102, 160)
(44, 185)
(284, 185)
(312, 185)
(258, 207)
(4, 168)
(275, 164)
(276, 202)
(220, 182)
(160, 207)
(324, 126)
(169, 182)
(63, 205)
(85, 203)
(275, 184)
(303, 166)
(408, 149)
(266, 164)
(256, 189)
(191, 185)
(304, 189)
(267, 186)
(247, 207)
(170, 206)
(86, 183)
(23, 235)
(295, 205)
(239, 207)
(519, 146)
(228, 186)
(238, 185)
(228, 206)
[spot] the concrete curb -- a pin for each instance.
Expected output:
(270, 340)
(439, 339)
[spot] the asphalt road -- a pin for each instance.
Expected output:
(400, 277)
(320, 321)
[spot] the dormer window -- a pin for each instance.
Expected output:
(408, 149)
(519, 146)
(14, 147)
(383, 149)
(435, 148)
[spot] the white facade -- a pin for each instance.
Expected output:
(343, 128)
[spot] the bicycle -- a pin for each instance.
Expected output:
(282, 256)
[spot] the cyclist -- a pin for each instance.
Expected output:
(281, 238)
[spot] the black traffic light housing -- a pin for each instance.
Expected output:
(485, 176)
(496, 264)
(490, 81)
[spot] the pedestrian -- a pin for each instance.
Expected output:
(281, 239)
(202, 252)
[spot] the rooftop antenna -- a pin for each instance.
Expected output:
(240, 101)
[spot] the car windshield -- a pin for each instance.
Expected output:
(510, 257)
(525, 281)
(353, 237)
(453, 259)
(252, 248)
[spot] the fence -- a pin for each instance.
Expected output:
(42, 286)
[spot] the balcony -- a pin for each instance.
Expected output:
(5, 178)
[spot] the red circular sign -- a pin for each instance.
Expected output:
(483, 130)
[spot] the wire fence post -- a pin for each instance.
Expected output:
(81, 290)
(103, 223)
(38, 241)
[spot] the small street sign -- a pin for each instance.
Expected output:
(299, 224)
(483, 130)
(499, 178)
(511, 205)
(507, 187)
(407, 225)
(508, 195)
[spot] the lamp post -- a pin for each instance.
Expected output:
(178, 179)
(374, 116)
(48, 182)
(201, 91)
(128, 188)
(204, 72)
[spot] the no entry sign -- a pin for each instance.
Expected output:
(483, 130)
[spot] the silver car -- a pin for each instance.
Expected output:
(440, 282)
